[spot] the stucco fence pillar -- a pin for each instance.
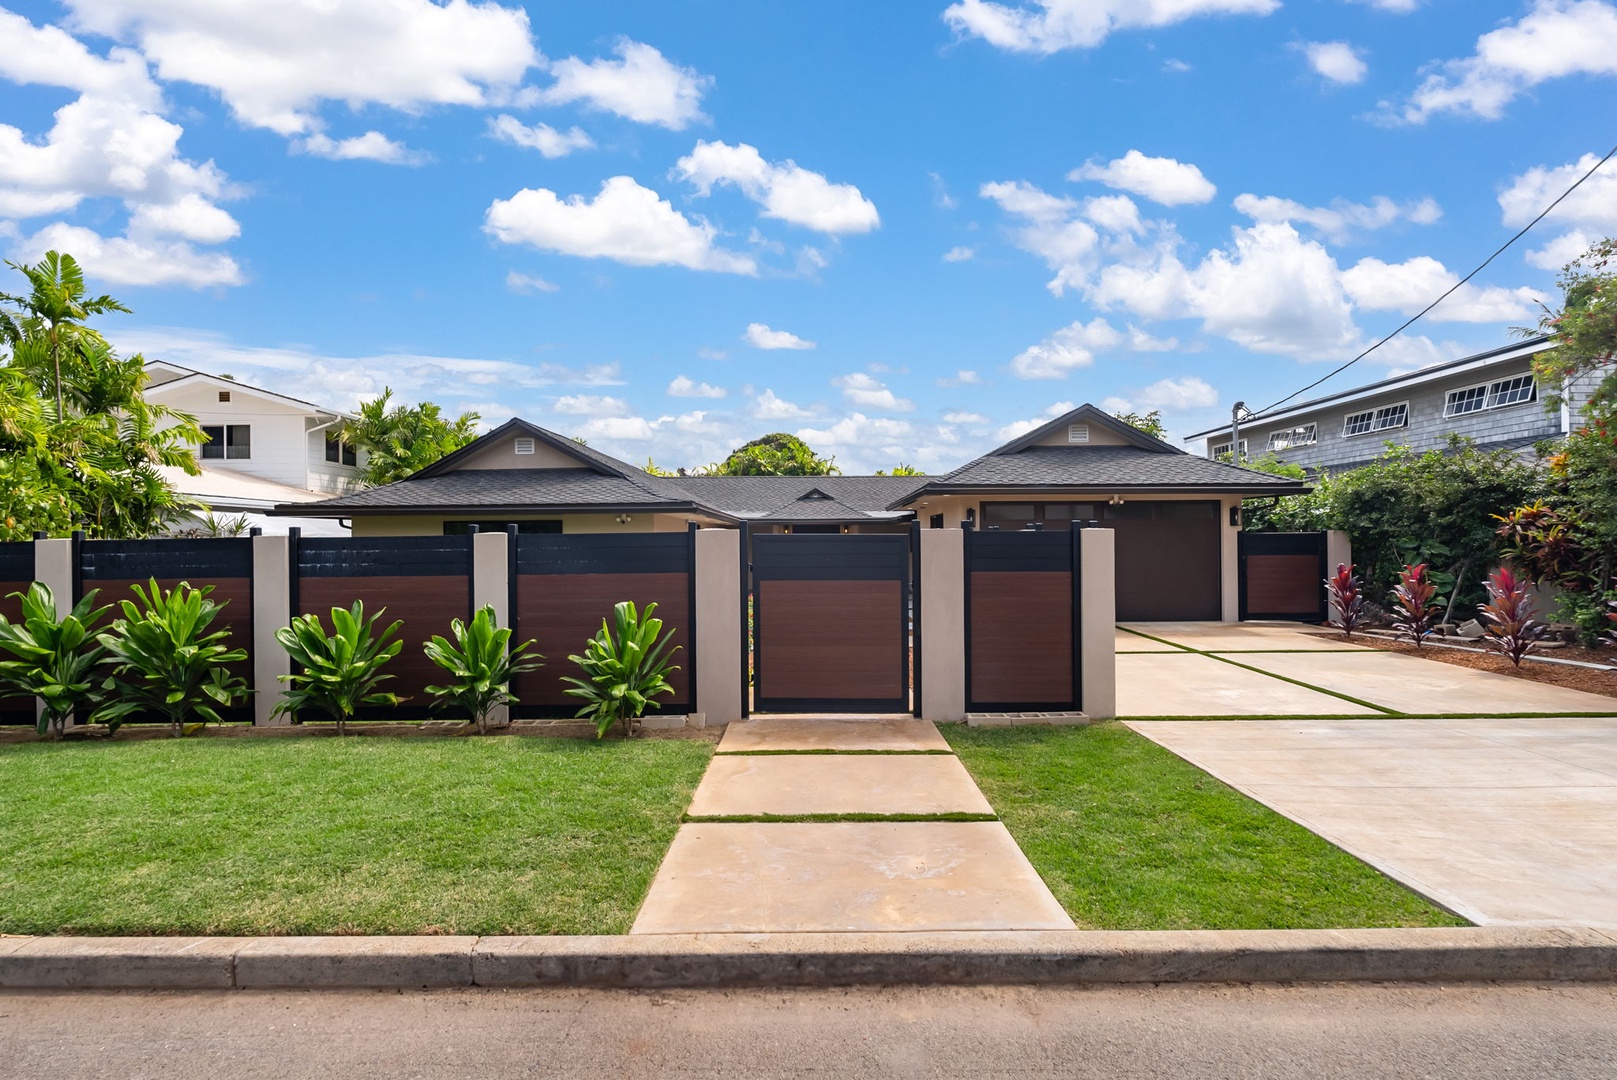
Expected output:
(1097, 646)
(53, 567)
(718, 627)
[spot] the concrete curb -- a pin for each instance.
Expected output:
(654, 961)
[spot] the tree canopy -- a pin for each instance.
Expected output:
(1150, 423)
(403, 439)
(80, 446)
(1585, 327)
(776, 454)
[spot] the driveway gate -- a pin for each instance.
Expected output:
(831, 619)
(1283, 576)
(1023, 615)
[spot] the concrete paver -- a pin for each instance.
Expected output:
(1189, 684)
(799, 734)
(1501, 828)
(797, 784)
(1125, 641)
(1226, 637)
(1412, 685)
(846, 876)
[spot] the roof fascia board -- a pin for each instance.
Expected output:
(1101, 490)
(524, 509)
(1435, 373)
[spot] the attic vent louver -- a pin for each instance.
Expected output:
(1078, 433)
(224, 396)
(524, 446)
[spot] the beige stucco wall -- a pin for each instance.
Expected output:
(718, 626)
(1097, 648)
(943, 626)
(272, 602)
(503, 455)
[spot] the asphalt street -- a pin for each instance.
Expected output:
(1355, 1031)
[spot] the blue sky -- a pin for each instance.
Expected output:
(905, 230)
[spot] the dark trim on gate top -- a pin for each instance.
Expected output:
(594, 553)
(391, 556)
(117, 560)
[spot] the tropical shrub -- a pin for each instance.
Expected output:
(481, 665)
(337, 673)
(623, 671)
(1546, 543)
(1415, 604)
(1508, 616)
(165, 661)
(1346, 594)
(55, 658)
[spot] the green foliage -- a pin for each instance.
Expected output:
(778, 454)
(339, 672)
(1594, 613)
(165, 660)
(624, 671)
(79, 444)
(1150, 423)
(55, 658)
(901, 469)
(481, 665)
(1435, 507)
(400, 440)
(1584, 329)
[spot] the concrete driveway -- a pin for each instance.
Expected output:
(1502, 821)
(1285, 669)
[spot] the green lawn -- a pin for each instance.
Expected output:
(1130, 837)
(337, 836)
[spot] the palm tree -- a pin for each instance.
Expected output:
(53, 312)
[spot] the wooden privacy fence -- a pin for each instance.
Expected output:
(1283, 576)
(1023, 621)
(16, 573)
(564, 586)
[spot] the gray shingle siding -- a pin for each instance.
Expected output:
(1512, 425)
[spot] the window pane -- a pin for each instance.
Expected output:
(238, 441)
(348, 455)
(1465, 401)
(1393, 416)
(333, 451)
(1007, 515)
(1511, 391)
(1357, 424)
(215, 446)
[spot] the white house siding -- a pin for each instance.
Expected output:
(1427, 429)
(279, 435)
(332, 478)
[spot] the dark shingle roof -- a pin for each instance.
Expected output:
(782, 498)
(1111, 467)
(511, 488)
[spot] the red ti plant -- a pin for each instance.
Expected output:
(1347, 597)
(1508, 616)
(1414, 602)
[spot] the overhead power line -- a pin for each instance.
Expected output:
(1452, 289)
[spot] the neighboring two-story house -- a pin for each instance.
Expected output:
(1491, 397)
(264, 449)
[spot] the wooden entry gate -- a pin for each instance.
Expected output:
(831, 616)
(1024, 621)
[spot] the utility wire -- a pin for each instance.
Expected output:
(1455, 288)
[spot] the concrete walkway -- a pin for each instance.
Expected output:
(1285, 669)
(1506, 822)
(836, 825)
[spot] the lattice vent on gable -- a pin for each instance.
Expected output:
(523, 445)
(1078, 433)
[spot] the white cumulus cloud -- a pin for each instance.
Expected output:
(625, 222)
(1557, 38)
(1047, 26)
(1066, 350)
(541, 137)
(959, 254)
(771, 406)
(1408, 286)
(519, 282)
(371, 146)
(1162, 180)
(1336, 61)
(684, 386)
(786, 191)
(641, 85)
(760, 336)
(1587, 214)
(868, 392)
(591, 405)
(1342, 218)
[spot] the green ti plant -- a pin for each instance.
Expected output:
(624, 671)
(1346, 594)
(1415, 605)
(165, 660)
(1508, 616)
(55, 658)
(337, 673)
(480, 663)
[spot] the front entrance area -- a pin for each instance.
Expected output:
(831, 626)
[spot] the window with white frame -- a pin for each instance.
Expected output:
(1495, 395)
(1306, 435)
(1221, 451)
(1383, 419)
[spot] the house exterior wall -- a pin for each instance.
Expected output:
(283, 448)
(1427, 429)
(330, 477)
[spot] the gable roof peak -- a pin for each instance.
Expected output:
(587, 458)
(1087, 414)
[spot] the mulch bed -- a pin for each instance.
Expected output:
(1573, 678)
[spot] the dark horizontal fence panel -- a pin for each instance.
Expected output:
(835, 557)
(16, 574)
(385, 557)
(113, 567)
(1020, 625)
(562, 611)
(634, 553)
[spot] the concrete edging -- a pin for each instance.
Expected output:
(1470, 954)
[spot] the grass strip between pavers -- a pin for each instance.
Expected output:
(1158, 640)
(1307, 686)
(821, 752)
(1129, 836)
(337, 836)
(772, 819)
